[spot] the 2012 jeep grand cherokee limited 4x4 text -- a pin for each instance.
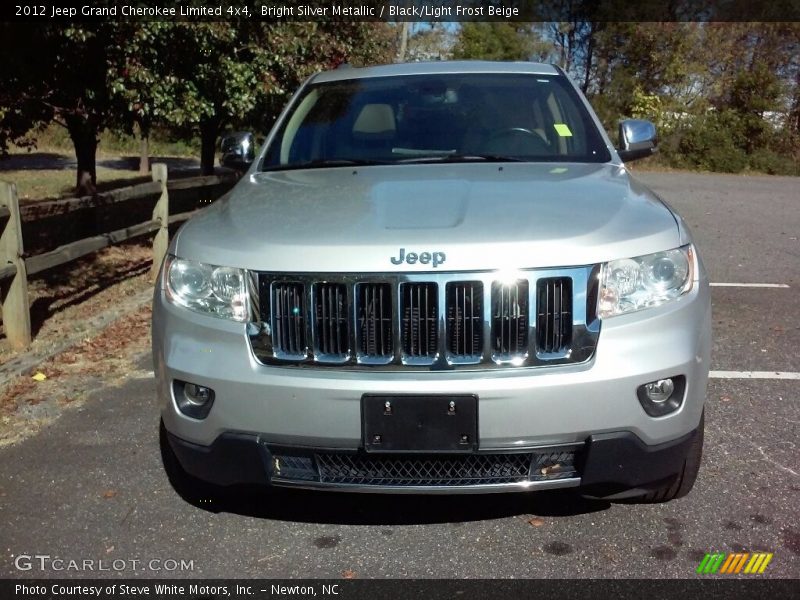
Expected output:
(437, 278)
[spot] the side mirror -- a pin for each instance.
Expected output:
(238, 150)
(637, 139)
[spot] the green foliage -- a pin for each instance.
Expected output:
(713, 89)
(772, 163)
(646, 106)
(710, 144)
(51, 73)
(208, 75)
(495, 41)
(187, 76)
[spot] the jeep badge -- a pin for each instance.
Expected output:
(424, 258)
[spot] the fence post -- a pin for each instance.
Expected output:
(160, 212)
(16, 310)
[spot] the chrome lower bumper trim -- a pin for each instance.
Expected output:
(524, 486)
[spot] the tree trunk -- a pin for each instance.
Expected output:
(144, 146)
(144, 155)
(209, 131)
(84, 139)
(401, 54)
(589, 55)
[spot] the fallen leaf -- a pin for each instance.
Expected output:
(39, 376)
(536, 521)
(348, 574)
(109, 493)
(725, 398)
(109, 550)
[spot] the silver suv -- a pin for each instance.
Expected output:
(437, 278)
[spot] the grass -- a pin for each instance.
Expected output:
(42, 184)
(54, 138)
(48, 171)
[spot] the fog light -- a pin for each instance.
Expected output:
(659, 391)
(193, 400)
(197, 394)
(663, 396)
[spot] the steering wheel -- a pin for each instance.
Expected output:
(517, 141)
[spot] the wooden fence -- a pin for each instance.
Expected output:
(14, 266)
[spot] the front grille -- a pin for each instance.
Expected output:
(426, 469)
(427, 320)
(420, 330)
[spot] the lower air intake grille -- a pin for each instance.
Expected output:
(471, 469)
(405, 470)
(553, 314)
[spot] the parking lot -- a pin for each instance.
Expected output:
(53, 487)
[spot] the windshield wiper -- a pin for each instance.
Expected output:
(326, 162)
(463, 158)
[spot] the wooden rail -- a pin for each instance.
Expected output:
(14, 269)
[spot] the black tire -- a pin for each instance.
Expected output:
(193, 490)
(684, 482)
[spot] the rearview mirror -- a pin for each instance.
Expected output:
(637, 139)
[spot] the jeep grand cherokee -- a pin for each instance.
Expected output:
(437, 278)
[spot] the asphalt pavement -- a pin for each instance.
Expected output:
(91, 486)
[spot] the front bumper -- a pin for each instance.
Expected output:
(591, 407)
(605, 465)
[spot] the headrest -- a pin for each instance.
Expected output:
(375, 119)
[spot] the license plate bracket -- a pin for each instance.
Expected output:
(419, 423)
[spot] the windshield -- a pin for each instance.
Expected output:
(431, 118)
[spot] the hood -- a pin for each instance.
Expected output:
(476, 216)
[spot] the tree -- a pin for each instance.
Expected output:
(431, 41)
(56, 73)
(498, 41)
(210, 75)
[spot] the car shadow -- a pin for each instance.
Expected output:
(386, 509)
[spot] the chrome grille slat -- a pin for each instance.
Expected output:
(374, 321)
(476, 320)
(464, 302)
(289, 318)
(553, 315)
(510, 320)
(420, 314)
(331, 323)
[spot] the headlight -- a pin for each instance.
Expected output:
(218, 291)
(632, 284)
